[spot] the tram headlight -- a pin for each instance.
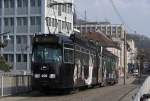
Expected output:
(37, 76)
(52, 76)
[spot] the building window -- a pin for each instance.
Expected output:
(11, 21)
(49, 21)
(38, 20)
(59, 25)
(8, 21)
(6, 3)
(24, 39)
(9, 3)
(19, 3)
(24, 57)
(22, 3)
(53, 22)
(35, 20)
(12, 3)
(59, 10)
(39, 2)
(63, 25)
(35, 3)
(18, 57)
(22, 21)
(18, 38)
(0, 3)
(25, 3)
(32, 3)
(12, 39)
(11, 58)
(32, 20)
(6, 57)
(114, 30)
(88, 29)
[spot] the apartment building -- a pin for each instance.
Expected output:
(24, 18)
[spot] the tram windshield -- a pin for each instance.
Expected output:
(46, 54)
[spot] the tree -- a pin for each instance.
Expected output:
(4, 66)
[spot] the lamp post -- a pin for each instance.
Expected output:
(2, 43)
(125, 57)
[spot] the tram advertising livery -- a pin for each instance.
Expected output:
(62, 62)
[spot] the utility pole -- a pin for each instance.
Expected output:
(125, 56)
(85, 18)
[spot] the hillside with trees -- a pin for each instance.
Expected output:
(141, 41)
(143, 45)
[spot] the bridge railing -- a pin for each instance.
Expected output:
(144, 89)
(11, 84)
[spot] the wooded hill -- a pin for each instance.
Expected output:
(141, 41)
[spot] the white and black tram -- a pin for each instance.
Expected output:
(62, 62)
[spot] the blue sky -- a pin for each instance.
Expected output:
(136, 13)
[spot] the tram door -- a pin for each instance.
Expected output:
(104, 70)
(100, 74)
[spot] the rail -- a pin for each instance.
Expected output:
(11, 84)
(144, 89)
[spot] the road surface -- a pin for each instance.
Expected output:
(117, 92)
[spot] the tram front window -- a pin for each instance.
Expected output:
(46, 54)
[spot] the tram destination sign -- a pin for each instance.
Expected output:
(45, 39)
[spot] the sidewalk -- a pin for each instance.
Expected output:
(131, 81)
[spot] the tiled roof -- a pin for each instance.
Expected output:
(101, 38)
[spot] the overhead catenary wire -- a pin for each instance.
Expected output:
(120, 17)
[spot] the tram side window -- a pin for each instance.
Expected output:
(68, 56)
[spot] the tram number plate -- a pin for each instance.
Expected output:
(44, 75)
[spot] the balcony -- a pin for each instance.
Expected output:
(21, 48)
(9, 11)
(9, 28)
(9, 47)
(22, 29)
(35, 28)
(35, 10)
(22, 11)
(21, 66)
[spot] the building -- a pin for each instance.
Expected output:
(24, 18)
(115, 31)
(131, 54)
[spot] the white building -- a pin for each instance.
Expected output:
(132, 53)
(23, 18)
(114, 31)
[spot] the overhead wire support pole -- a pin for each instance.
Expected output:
(125, 40)
(125, 51)
(85, 18)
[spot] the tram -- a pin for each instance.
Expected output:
(62, 62)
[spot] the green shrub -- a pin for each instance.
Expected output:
(4, 66)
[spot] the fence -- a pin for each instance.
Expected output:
(145, 89)
(13, 84)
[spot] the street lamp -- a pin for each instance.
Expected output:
(2, 43)
(125, 51)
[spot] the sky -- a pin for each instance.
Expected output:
(135, 13)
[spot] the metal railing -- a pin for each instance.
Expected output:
(145, 89)
(11, 84)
